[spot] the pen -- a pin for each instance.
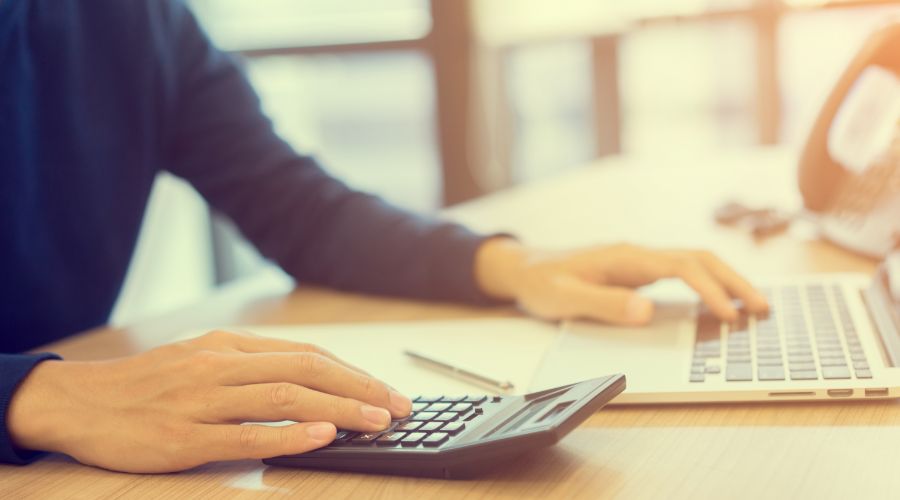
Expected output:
(500, 386)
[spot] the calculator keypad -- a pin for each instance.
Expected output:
(434, 420)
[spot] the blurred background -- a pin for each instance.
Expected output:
(433, 102)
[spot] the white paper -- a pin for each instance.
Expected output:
(502, 349)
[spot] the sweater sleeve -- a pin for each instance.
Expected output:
(312, 225)
(13, 370)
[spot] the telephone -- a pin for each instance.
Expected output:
(849, 172)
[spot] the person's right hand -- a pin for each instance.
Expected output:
(182, 405)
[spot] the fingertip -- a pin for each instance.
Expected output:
(638, 310)
(761, 303)
(401, 406)
(321, 432)
(731, 314)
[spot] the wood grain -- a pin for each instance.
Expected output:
(821, 450)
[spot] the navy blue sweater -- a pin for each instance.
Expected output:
(96, 98)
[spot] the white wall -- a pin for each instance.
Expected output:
(172, 265)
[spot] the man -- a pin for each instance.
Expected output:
(95, 98)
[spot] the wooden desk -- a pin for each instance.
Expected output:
(834, 450)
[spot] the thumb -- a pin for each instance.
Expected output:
(621, 306)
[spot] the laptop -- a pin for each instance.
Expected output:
(827, 337)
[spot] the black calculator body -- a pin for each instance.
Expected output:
(462, 436)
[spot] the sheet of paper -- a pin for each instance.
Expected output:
(503, 349)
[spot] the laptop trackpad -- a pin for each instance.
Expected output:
(652, 358)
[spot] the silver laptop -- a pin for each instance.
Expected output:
(828, 336)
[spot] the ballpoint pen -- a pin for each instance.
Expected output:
(499, 386)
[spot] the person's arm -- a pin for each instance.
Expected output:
(14, 368)
(311, 224)
(320, 231)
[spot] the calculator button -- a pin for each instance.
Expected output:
(431, 426)
(435, 439)
(439, 407)
(390, 439)
(419, 406)
(446, 416)
(409, 426)
(423, 415)
(475, 399)
(412, 439)
(454, 428)
(461, 407)
(427, 399)
(366, 438)
(344, 436)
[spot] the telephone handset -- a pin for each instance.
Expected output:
(849, 172)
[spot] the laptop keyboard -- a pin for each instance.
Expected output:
(807, 335)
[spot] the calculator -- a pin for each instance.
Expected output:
(462, 436)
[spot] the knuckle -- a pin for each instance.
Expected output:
(286, 439)
(375, 390)
(283, 395)
(217, 336)
(311, 363)
(205, 360)
(683, 264)
(312, 348)
(706, 255)
(175, 438)
(339, 406)
(249, 437)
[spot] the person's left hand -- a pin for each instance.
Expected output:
(598, 283)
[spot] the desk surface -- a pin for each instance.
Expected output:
(712, 451)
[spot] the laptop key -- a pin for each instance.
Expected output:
(697, 377)
(804, 375)
(769, 362)
(713, 369)
(863, 374)
(803, 367)
(771, 373)
(708, 326)
(833, 362)
(835, 372)
(739, 372)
